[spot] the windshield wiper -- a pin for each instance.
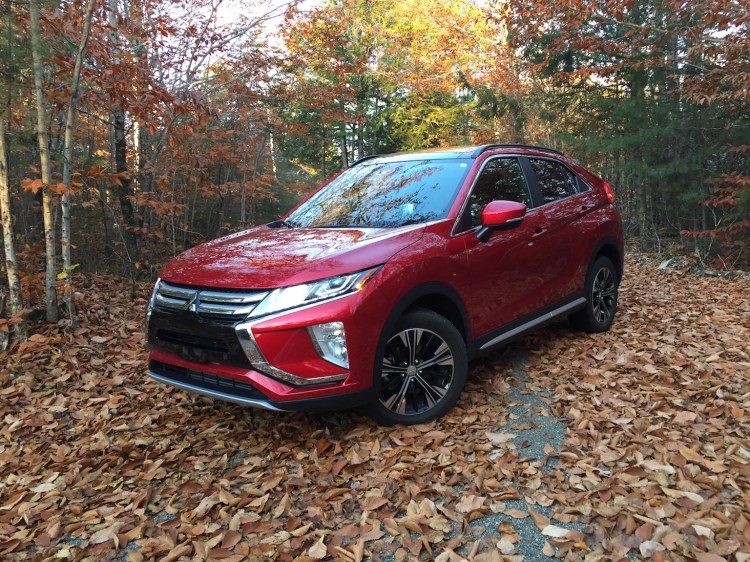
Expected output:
(279, 223)
(335, 225)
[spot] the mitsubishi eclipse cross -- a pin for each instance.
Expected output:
(379, 288)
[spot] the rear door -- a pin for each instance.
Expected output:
(566, 202)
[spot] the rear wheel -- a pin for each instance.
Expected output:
(601, 298)
(422, 370)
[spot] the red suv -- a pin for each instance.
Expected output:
(377, 289)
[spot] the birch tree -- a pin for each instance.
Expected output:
(68, 154)
(48, 203)
(15, 303)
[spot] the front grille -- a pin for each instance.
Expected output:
(195, 338)
(223, 305)
(201, 342)
(206, 381)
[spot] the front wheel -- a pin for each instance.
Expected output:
(601, 298)
(422, 370)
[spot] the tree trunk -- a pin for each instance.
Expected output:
(15, 301)
(68, 157)
(272, 153)
(120, 150)
(143, 147)
(48, 206)
(344, 148)
(125, 189)
(15, 304)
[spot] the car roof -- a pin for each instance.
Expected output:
(455, 152)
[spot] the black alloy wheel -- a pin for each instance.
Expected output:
(422, 371)
(601, 298)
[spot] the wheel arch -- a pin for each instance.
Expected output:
(609, 248)
(437, 297)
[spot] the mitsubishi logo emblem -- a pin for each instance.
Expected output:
(190, 305)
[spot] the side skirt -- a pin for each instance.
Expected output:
(520, 327)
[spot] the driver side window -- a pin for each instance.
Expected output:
(501, 179)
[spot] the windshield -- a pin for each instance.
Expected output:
(384, 195)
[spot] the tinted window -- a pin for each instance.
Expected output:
(501, 180)
(555, 180)
(381, 195)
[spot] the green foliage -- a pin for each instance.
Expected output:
(64, 275)
(648, 94)
(428, 120)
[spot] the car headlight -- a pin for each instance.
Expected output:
(286, 298)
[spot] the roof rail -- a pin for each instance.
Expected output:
(484, 148)
(359, 160)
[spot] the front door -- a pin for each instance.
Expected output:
(504, 273)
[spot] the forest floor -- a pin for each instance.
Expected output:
(634, 443)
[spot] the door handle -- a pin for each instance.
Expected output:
(539, 231)
(583, 208)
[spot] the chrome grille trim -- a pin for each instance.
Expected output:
(172, 291)
(232, 305)
(224, 309)
(169, 302)
(233, 298)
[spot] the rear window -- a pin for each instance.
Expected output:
(555, 180)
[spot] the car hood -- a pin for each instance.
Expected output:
(265, 258)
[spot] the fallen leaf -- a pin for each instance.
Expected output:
(562, 533)
(540, 520)
(372, 503)
(470, 503)
(318, 550)
(106, 534)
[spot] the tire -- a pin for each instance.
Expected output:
(410, 394)
(601, 298)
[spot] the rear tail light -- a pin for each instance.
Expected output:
(609, 192)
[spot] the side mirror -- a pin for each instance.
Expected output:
(500, 215)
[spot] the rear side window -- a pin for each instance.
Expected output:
(555, 180)
(501, 179)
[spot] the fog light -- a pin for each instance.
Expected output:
(330, 342)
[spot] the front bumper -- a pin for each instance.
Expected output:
(213, 386)
(227, 390)
(270, 362)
